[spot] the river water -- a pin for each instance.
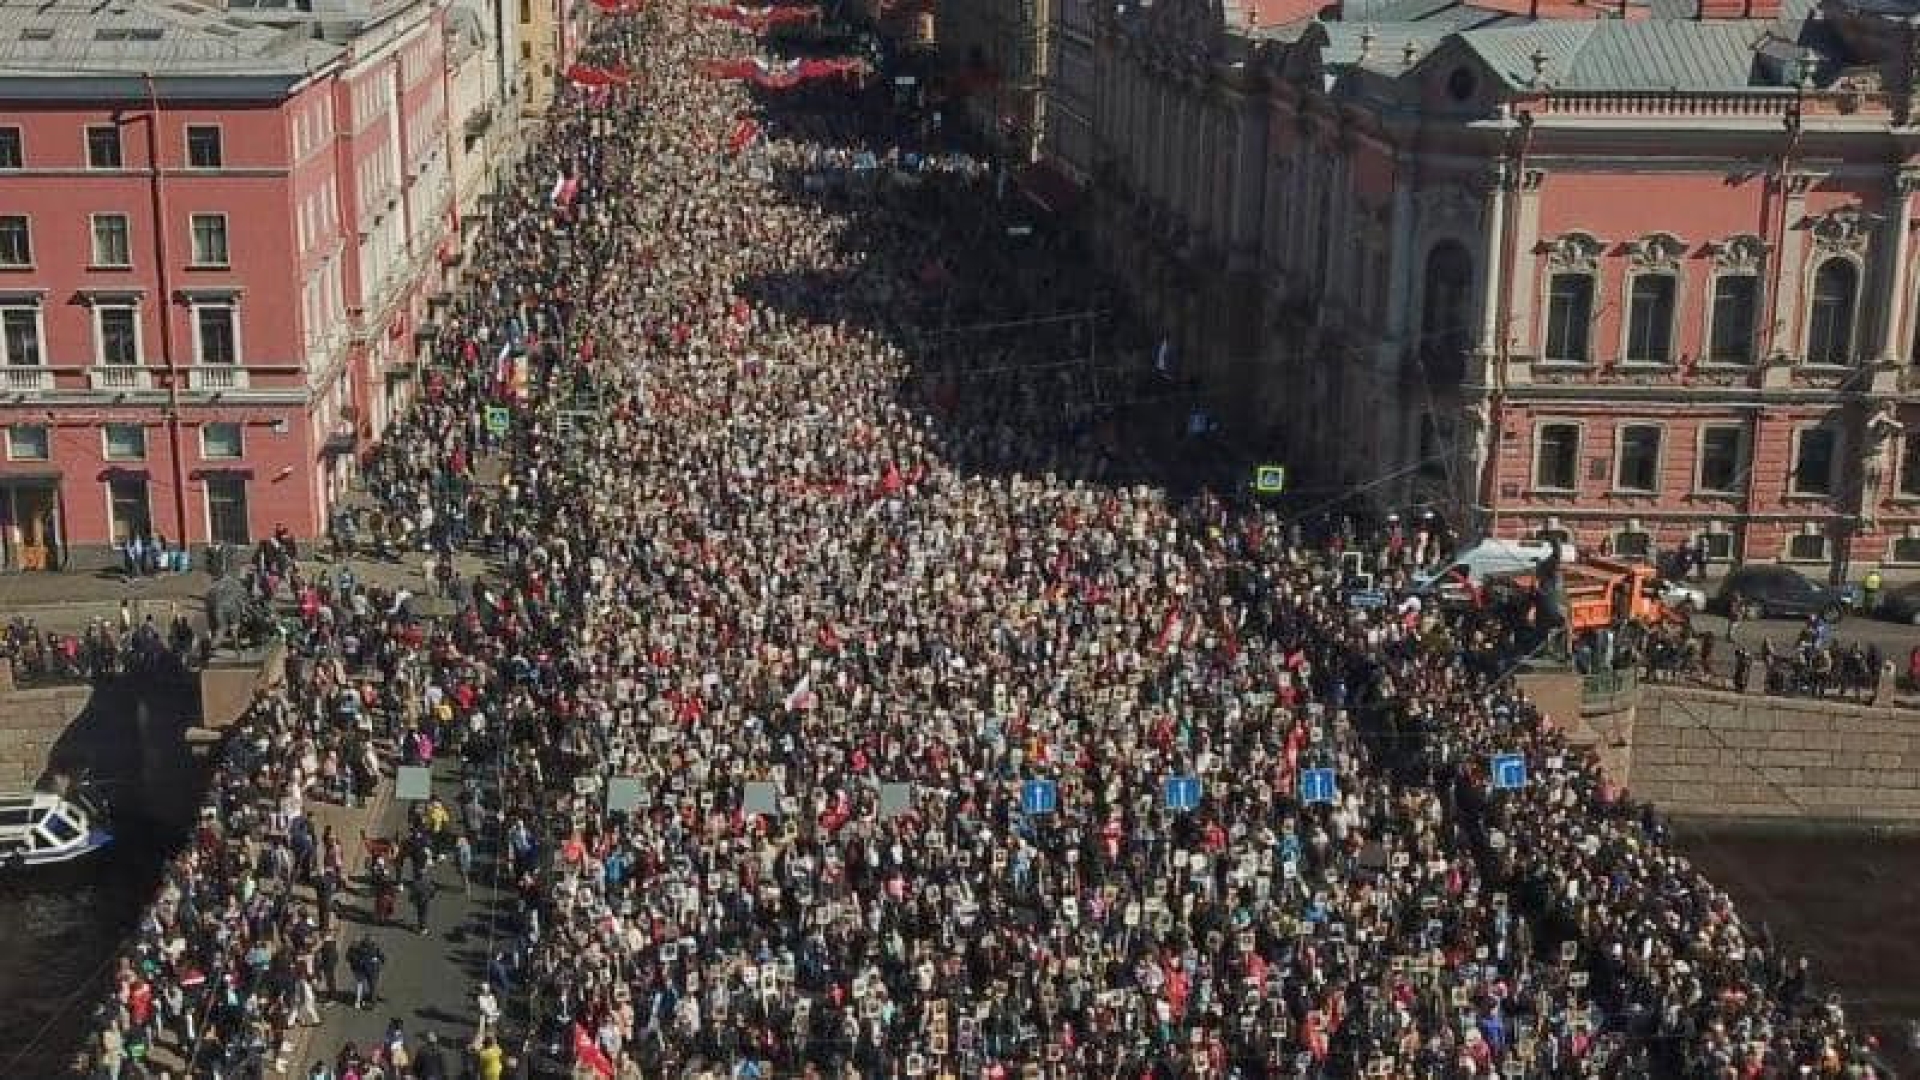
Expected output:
(59, 933)
(1851, 902)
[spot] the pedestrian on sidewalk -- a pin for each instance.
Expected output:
(489, 1009)
(306, 1002)
(326, 960)
(366, 958)
(421, 893)
(463, 861)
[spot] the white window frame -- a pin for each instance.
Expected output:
(46, 433)
(100, 308)
(1808, 291)
(1707, 318)
(106, 443)
(193, 240)
(1893, 551)
(93, 240)
(31, 246)
(1673, 318)
(86, 147)
(239, 429)
(1833, 464)
(186, 146)
(1546, 314)
(1579, 443)
(39, 332)
(106, 493)
(1647, 552)
(1700, 457)
(1620, 455)
(199, 350)
(1711, 535)
(1825, 555)
(206, 500)
(1901, 479)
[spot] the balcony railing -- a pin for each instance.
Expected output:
(120, 377)
(217, 377)
(18, 380)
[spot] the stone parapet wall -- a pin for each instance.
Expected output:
(32, 722)
(1709, 754)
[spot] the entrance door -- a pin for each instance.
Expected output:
(127, 506)
(36, 515)
(227, 510)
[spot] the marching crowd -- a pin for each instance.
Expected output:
(800, 557)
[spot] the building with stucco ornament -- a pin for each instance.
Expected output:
(1635, 272)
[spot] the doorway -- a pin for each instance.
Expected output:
(128, 509)
(227, 509)
(33, 536)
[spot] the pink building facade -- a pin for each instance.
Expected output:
(210, 276)
(1636, 280)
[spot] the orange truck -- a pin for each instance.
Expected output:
(1599, 592)
(1604, 592)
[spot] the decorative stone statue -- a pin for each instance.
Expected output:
(226, 605)
(1883, 427)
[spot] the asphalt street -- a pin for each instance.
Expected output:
(431, 979)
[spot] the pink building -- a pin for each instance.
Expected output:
(1638, 272)
(199, 349)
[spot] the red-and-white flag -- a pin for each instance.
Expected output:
(802, 696)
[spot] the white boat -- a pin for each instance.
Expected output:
(43, 829)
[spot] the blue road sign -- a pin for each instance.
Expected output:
(1318, 786)
(1183, 792)
(1509, 772)
(1367, 598)
(1039, 797)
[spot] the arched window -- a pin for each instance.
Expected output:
(1445, 296)
(1830, 317)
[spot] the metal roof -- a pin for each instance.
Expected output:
(93, 38)
(1654, 55)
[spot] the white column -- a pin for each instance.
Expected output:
(1495, 233)
(1786, 299)
(1526, 263)
(1893, 312)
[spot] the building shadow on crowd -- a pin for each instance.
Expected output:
(1019, 356)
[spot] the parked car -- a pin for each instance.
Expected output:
(1902, 604)
(1680, 596)
(1777, 591)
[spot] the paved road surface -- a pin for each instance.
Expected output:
(1847, 900)
(431, 979)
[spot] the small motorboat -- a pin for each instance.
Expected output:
(44, 829)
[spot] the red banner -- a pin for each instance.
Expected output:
(760, 20)
(783, 76)
(619, 7)
(586, 75)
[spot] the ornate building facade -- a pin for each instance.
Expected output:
(1636, 273)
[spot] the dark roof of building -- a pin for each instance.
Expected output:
(117, 38)
(1648, 46)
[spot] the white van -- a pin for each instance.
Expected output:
(1487, 559)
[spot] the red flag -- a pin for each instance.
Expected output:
(587, 1052)
(1169, 628)
(744, 132)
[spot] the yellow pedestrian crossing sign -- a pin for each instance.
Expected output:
(1270, 479)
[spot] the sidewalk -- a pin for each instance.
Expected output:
(66, 601)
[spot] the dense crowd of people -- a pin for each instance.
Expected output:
(813, 527)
